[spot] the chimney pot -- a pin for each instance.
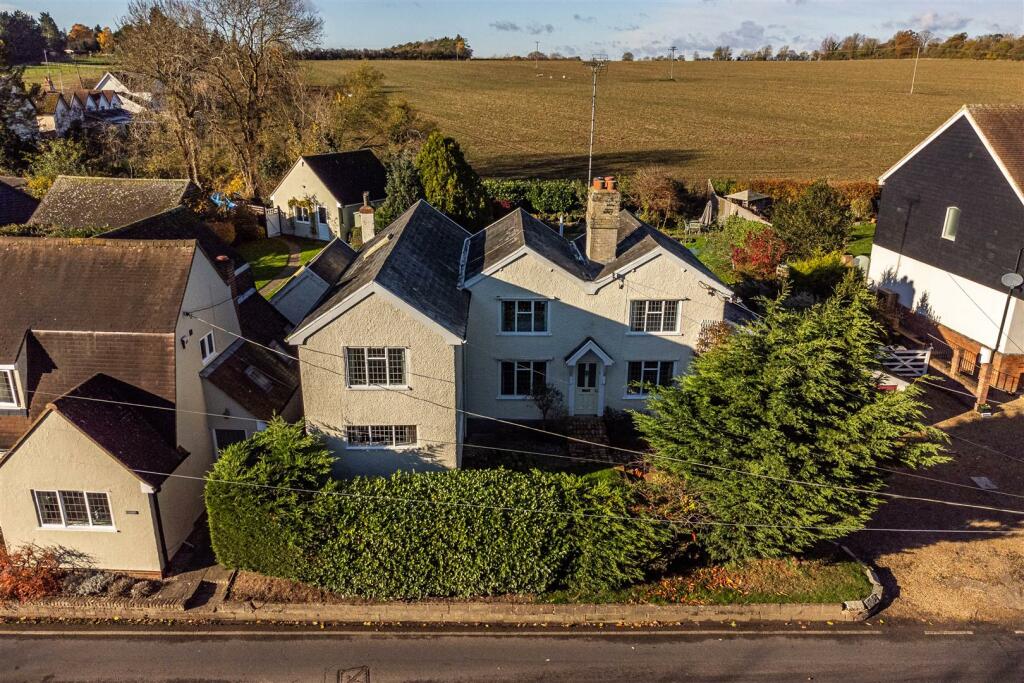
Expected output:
(366, 198)
(598, 183)
(609, 182)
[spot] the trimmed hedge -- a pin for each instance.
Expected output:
(547, 197)
(443, 534)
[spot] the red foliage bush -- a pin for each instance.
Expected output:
(28, 573)
(759, 255)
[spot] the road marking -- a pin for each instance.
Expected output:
(949, 633)
(496, 633)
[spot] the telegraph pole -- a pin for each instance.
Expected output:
(536, 54)
(914, 77)
(597, 64)
(672, 63)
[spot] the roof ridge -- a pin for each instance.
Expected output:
(97, 241)
(123, 180)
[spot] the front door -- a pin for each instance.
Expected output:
(322, 227)
(586, 398)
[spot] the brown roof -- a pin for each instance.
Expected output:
(46, 103)
(261, 381)
(141, 439)
(86, 202)
(1003, 127)
(89, 285)
(178, 223)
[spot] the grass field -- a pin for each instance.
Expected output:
(846, 120)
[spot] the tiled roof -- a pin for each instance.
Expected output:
(86, 202)
(141, 439)
(416, 258)
(348, 174)
(46, 103)
(261, 381)
(513, 231)
(1003, 127)
(332, 260)
(178, 223)
(94, 285)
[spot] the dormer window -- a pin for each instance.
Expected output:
(9, 397)
(951, 223)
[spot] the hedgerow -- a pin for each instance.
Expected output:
(459, 533)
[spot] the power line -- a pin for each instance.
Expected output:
(635, 452)
(508, 508)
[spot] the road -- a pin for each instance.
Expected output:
(854, 654)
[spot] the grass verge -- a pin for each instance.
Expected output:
(861, 238)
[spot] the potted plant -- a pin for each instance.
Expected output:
(985, 410)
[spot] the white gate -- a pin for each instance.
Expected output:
(906, 362)
(274, 220)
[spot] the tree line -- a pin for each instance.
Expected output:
(433, 48)
(25, 38)
(902, 45)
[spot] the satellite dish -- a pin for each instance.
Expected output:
(1012, 280)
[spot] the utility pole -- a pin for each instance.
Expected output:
(597, 64)
(536, 54)
(914, 77)
(672, 63)
(1011, 281)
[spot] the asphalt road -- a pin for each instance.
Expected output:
(648, 657)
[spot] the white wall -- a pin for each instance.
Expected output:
(574, 316)
(960, 304)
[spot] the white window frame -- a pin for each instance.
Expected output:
(646, 313)
(378, 446)
(367, 386)
(641, 394)
(213, 435)
(11, 371)
(951, 223)
(515, 318)
(64, 526)
(519, 397)
(298, 211)
(211, 345)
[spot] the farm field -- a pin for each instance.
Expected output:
(845, 120)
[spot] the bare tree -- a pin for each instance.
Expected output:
(656, 193)
(250, 53)
(161, 48)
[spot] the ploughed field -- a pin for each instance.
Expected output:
(845, 120)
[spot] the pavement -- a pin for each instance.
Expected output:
(290, 268)
(844, 654)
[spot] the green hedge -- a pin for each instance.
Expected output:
(459, 533)
(548, 197)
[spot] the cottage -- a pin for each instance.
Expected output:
(53, 114)
(321, 194)
(133, 98)
(115, 394)
(427, 321)
(949, 228)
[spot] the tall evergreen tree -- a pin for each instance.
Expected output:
(23, 40)
(450, 184)
(403, 189)
(54, 37)
(793, 397)
(18, 126)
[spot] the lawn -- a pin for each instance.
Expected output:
(861, 239)
(77, 74)
(845, 120)
(268, 257)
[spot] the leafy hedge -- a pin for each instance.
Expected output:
(547, 197)
(458, 533)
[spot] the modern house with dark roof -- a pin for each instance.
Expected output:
(428, 323)
(321, 194)
(950, 226)
(121, 375)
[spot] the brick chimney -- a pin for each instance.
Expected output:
(226, 267)
(603, 207)
(366, 219)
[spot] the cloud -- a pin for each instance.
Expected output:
(625, 27)
(535, 29)
(584, 19)
(505, 25)
(797, 2)
(750, 34)
(931, 21)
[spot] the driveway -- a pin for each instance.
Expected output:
(958, 577)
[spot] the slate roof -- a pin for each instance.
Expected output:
(348, 174)
(138, 438)
(506, 235)
(510, 233)
(1003, 127)
(16, 205)
(229, 373)
(332, 260)
(417, 259)
(259, 320)
(86, 202)
(95, 285)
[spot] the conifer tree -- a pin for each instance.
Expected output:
(403, 189)
(450, 184)
(792, 397)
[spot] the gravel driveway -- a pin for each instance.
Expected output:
(958, 577)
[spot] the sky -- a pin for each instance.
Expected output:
(500, 27)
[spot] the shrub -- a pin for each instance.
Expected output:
(818, 276)
(120, 586)
(759, 254)
(225, 230)
(143, 589)
(458, 533)
(819, 221)
(547, 197)
(97, 584)
(30, 572)
(717, 253)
